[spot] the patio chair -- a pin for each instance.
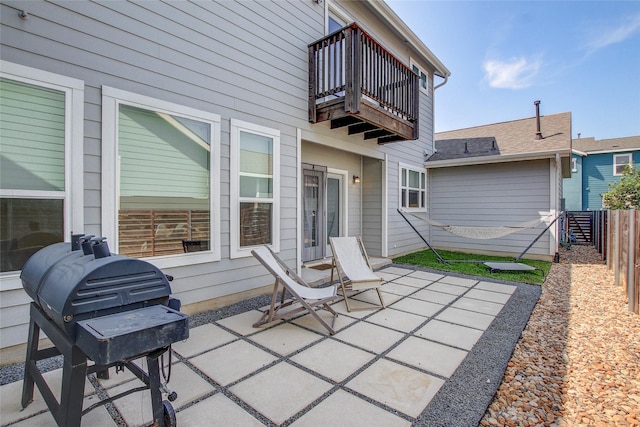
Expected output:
(305, 297)
(351, 264)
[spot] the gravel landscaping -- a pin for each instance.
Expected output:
(575, 363)
(578, 360)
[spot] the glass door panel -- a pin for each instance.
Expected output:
(313, 207)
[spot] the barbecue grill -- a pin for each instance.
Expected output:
(98, 306)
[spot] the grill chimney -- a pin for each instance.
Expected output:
(538, 132)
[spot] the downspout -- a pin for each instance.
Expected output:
(433, 143)
(554, 241)
(433, 108)
(444, 82)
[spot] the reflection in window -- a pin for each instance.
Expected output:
(256, 182)
(333, 207)
(254, 187)
(620, 161)
(32, 170)
(412, 188)
(164, 182)
(422, 78)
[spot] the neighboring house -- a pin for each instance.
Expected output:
(596, 163)
(188, 133)
(500, 174)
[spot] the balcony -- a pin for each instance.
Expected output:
(354, 82)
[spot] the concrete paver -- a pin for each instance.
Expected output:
(381, 368)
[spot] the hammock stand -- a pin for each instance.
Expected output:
(501, 231)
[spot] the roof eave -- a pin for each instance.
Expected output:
(433, 164)
(611, 151)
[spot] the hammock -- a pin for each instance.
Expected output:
(480, 232)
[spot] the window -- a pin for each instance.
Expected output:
(422, 75)
(41, 144)
(619, 163)
(336, 19)
(160, 175)
(413, 189)
(255, 187)
(574, 164)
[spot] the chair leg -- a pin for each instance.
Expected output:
(344, 295)
(332, 311)
(268, 316)
(380, 296)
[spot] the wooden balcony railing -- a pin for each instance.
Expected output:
(355, 82)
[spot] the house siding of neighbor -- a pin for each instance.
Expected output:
(500, 175)
(600, 163)
(202, 108)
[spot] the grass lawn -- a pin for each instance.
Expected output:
(428, 259)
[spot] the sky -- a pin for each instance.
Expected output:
(577, 56)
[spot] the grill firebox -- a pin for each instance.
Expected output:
(96, 306)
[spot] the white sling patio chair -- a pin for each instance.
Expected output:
(351, 264)
(306, 297)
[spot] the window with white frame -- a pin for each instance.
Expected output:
(423, 76)
(336, 18)
(41, 145)
(160, 178)
(620, 161)
(574, 164)
(413, 188)
(255, 187)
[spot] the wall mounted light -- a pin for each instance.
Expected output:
(356, 179)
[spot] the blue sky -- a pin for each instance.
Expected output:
(577, 56)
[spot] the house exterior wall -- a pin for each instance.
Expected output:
(159, 50)
(597, 174)
(486, 195)
(401, 238)
(572, 187)
(242, 60)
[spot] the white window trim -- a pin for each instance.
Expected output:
(234, 221)
(413, 63)
(615, 162)
(111, 100)
(332, 9)
(73, 194)
(574, 164)
(418, 169)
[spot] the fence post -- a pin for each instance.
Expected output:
(636, 264)
(630, 259)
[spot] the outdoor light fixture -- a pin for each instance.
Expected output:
(356, 179)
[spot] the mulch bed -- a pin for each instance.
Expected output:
(578, 359)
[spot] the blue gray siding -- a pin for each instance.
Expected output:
(597, 174)
(244, 60)
(491, 195)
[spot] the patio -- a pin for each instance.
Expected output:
(434, 356)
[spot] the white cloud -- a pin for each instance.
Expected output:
(516, 73)
(609, 36)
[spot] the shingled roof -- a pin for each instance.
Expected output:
(499, 141)
(592, 145)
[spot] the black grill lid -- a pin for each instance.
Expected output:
(70, 286)
(38, 265)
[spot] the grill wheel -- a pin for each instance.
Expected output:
(169, 414)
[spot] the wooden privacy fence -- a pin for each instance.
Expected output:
(623, 253)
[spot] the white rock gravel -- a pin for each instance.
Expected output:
(578, 360)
